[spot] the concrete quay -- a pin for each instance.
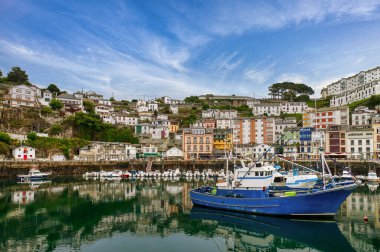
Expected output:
(10, 169)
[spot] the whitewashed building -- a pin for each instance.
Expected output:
(46, 98)
(125, 119)
(210, 113)
(21, 95)
(359, 141)
(142, 128)
(174, 152)
(360, 86)
(275, 109)
(152, 106)
(174, 109)
(24, 153)
(159, 132)
(362, 115)
(70, 101)
(227, 114)
(112, 151)
(223, 123)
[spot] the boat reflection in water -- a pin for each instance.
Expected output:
(250, 232)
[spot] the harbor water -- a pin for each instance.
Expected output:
(73, 214)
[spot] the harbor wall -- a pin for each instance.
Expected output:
(10, 169)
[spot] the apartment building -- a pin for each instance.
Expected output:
(336, 140)
(359, 141)
(223, 139)
(204, 123)
(21, 95)
(360, 86)
(223, 123)
(362, 116)
(276, 108)
(323, 117)
(283, 125)
(197, 142)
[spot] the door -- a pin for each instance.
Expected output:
(25, 157)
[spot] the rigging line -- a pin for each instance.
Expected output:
(265, 152)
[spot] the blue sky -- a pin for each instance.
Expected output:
(179, 48)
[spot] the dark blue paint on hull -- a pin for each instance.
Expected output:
(321, 204)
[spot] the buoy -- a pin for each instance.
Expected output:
(365, 218)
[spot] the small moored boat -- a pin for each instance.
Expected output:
(34, 174)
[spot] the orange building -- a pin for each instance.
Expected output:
(197, 142)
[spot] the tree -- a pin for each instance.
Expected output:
(17, 75)
(46, 111)
(112, 99)
(192, 99)
(302, 98)
(89, 106)
(55, 129)
(4, 137)
(32, 136)
(1, 74)
(53, 88)
(56, 104)
(289, 90)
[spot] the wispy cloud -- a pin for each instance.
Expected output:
(180, 48)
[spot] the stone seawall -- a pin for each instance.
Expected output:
(10, 169)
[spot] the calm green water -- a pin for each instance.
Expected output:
(71, 214)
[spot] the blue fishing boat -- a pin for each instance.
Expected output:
(248, 191)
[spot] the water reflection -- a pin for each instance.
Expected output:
(74, 214)
(246, 232)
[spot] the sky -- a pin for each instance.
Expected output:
(151, 48)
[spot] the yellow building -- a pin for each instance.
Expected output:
(173, 127)
(376, 136)
(223, 139)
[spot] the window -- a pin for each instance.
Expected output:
(359, 142)
(367, 142)
(352, 142)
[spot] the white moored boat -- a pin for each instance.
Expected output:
(34, 174)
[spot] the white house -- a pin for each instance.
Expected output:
(120, 118)
(152, 106)
(254, 151)
(214, 113)
(47, 96)
(362, 115)
(70, 101)
(159, 132)
(223, 123)
(227, 114)
(276, 108)
(24, 153)
(174, 109)
(58, 157)
(21, 95)
(174, 152)
(167, 100)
